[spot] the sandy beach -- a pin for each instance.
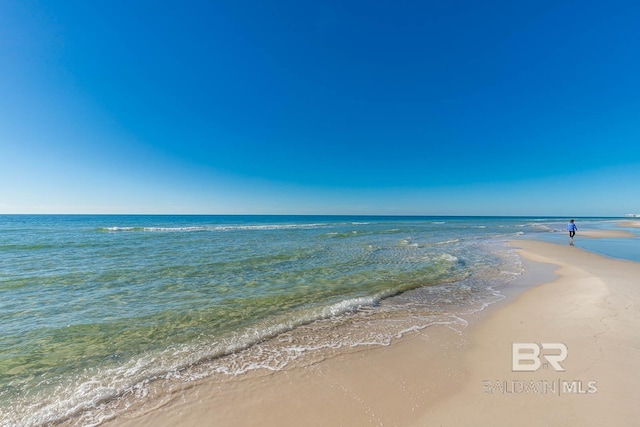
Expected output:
(445, 376)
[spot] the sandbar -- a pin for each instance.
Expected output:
(632, 224)
(604, 234)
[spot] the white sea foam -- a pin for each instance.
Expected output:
(445, 242)
(266, 227)
(448, 257)
(118, 228)
(539, 227)
(174, 229)
(218, 228)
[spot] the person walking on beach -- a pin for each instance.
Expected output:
(571, 227)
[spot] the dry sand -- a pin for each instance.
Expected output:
(446, 377)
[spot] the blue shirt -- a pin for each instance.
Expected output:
(572, 226)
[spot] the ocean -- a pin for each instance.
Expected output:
(98, 310)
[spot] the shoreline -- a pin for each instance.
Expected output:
(591, 306)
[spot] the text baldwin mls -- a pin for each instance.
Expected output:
(526, 357)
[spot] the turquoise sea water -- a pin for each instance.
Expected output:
(96, 309)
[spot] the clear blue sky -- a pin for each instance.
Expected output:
(349, 107)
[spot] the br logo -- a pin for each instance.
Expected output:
(526, 356)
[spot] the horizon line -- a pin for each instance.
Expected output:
(624, 216)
